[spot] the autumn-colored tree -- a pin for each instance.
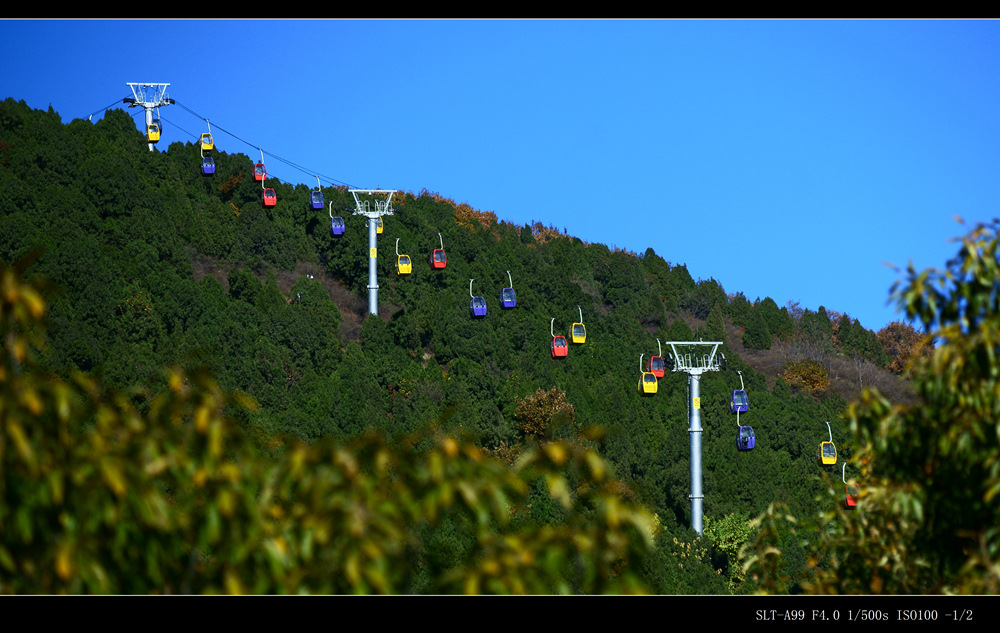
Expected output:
(538, 412)
(901, 342)
(807, 375)
(465, 214)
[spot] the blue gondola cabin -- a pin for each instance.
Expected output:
(739, 403)
(477, 307)
(316, 199)
(508, 298)
(337, 226)
(207, 166)
(745, 439)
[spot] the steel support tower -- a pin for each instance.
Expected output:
(694, 365)
(373, 212)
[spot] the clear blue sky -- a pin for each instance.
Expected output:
(788, 159)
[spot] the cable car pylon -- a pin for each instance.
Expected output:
(361, 207)
(694, 366)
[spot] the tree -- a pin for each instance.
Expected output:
(779, 322)
(756, 335)
(901, 342)
(928, 517)
(537, 412)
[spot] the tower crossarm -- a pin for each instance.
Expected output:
(692, 361)
(382, 207)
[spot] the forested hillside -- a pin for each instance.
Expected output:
(155, 265)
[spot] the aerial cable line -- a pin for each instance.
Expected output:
(287, 162)
(179, 127)
(275, 156)
(104, 109)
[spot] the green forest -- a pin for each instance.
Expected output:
(196, 400)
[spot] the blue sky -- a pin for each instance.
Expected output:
(788, 159)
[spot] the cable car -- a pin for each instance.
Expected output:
(477, 306)
(316, 196)
(745, 439)
(269, 198)
(259, 171)
(316, 199)
(647, 381)
(378, 225)
(207, 162)
(337, 226)
(739, 403)
(648, 384)
(559, 346)
(826, 455)
(851, 491)
(508, 298)
(438, 258)
(207, 143)
(153, 132)
(656, 365)
(403, 264)
(578, 333)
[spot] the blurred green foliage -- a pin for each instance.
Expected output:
(98, 497)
